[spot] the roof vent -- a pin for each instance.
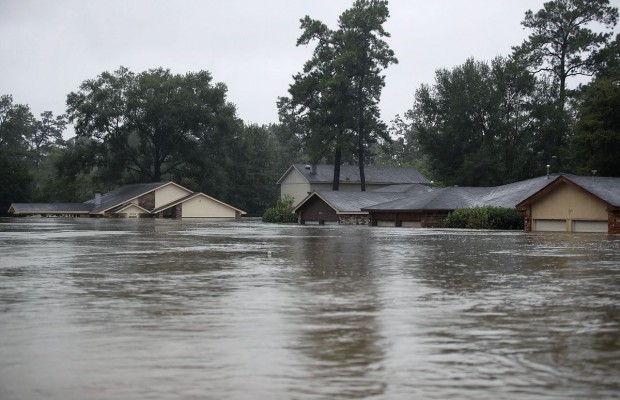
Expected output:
(308, 166)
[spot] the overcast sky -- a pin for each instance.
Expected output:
(48, 48)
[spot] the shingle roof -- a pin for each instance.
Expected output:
(437, 199)
(605, 188)
(352, 202)
(123, 194)
(50, 208)
(350, 174)
(410, 188)
(510, 195)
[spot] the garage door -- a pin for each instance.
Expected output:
(386, 223)
(411, 224)
(550, 225)
(590, 226)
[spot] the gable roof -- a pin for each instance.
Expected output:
(350, 174)
(191, 196)
(127, 193)
(606, 189)
(350, 202)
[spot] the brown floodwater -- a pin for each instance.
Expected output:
(159, 309)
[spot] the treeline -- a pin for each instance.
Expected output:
(143, 127)
(484, 122)
(493, 122)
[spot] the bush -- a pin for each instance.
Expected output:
(282, 212)
(485, 218)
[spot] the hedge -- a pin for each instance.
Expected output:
(485, 218)
(282, 212)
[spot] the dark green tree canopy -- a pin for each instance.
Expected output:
(475, 124)
(335, 99)
(149, 123)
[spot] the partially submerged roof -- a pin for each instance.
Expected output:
(50, 208)
(350, 202)
(191, 196)
(127, 193)
(606, 189)
(351, 174)
(437, 199)
(508, 196)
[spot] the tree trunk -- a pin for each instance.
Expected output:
(360, 156)
(337, 161)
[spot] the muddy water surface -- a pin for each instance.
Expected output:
(145, 309)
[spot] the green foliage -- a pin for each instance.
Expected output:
(334, 101)
(154, 122)
(561, 42)
(596, 143)
(485, 218)
(475, 125)
(282, 212)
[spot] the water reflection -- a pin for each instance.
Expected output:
(195, 309)
(339, 337)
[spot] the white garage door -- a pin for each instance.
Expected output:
(550, 225)
(590, 226)
(411, 224)
(385, 223)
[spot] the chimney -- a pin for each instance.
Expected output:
(313, 169)
(97, 199)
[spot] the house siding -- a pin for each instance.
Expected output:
(204, 207)
(568, 203)
(423, 219)
(168, 194)
(147, 201)
(317, 210)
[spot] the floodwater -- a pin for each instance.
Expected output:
(159, 309)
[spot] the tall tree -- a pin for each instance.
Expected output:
(562, 42)
(565, 39)
(319, 102)
(335, 99)
(362, 58)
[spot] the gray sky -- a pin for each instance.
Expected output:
(49, 47)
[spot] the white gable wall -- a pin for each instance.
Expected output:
(204, 207)
(168, 194)
(295, 185)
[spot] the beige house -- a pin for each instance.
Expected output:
(574, 204)
(143, 200)
(301, 180)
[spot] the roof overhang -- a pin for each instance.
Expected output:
(142, 194)
(192, 196)
(560, 180)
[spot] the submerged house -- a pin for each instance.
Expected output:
(142, 200)
(559, 203)
(301, 180)
(572, 203)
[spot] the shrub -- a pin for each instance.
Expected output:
(282, 212)
(485, 218)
